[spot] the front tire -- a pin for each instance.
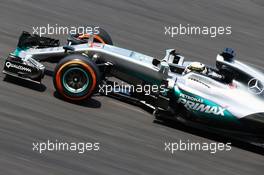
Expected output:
(102, 37)
(76, 77)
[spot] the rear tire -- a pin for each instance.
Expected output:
(76, 77)
(104, 36)
(101, 37)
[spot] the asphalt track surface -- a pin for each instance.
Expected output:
(130, 142)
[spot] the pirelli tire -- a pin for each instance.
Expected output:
(102, 37)
(76, 77)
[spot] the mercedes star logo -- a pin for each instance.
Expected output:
(255, 86)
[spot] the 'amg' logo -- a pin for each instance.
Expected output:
(22, 68)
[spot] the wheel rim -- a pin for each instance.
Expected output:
(75, 80)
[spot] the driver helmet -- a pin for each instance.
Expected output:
(196, 67)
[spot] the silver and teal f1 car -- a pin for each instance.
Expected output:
(226, 97)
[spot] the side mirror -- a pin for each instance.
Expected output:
(68, 48)
(172, 57)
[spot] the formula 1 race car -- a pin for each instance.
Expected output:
(226, 98)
